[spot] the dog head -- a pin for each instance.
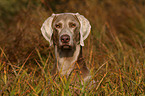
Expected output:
(66, 29)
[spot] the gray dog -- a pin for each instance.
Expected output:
(67, 32)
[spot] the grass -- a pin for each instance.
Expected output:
(114, 51)
(121, 74)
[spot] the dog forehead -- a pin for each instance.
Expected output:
(65, 17)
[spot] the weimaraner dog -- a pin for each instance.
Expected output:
(67, 32)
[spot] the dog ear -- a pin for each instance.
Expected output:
(47, 30)
(85, 28)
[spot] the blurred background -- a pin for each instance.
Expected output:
(115, 23)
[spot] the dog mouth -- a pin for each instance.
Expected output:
(66, 46)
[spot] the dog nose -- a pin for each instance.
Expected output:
(65, 38)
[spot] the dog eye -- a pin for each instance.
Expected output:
(58, 25)
(72, 25)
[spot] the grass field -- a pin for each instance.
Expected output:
(114, 51)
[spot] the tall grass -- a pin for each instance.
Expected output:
(114, 51)
(121, 74)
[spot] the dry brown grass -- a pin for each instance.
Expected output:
(114, 51)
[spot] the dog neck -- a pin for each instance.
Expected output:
(66, 59)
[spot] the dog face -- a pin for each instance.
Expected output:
(66, 29)
(66, 32)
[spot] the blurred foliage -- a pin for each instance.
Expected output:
(10, 8)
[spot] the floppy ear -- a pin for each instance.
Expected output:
(47, 30)
(85, 28)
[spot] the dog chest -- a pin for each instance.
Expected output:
(66, 64)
